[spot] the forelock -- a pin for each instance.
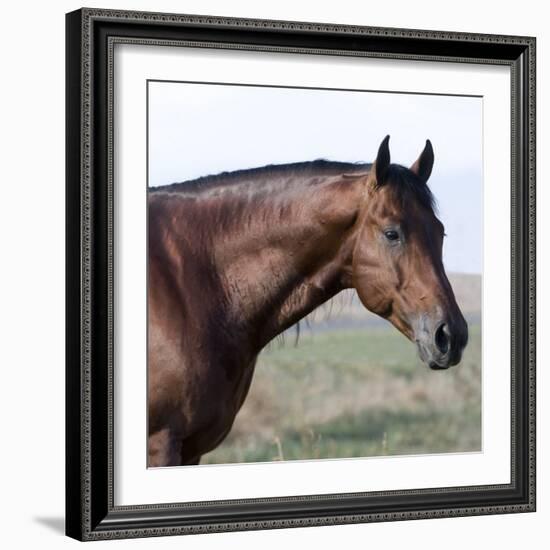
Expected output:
(408, 186)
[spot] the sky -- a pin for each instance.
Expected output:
(201, 129)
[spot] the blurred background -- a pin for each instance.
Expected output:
(350, 385)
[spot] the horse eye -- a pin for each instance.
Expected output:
(391, 235)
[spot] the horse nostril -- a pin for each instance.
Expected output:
(442, 338)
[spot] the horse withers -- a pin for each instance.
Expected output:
(236, 259)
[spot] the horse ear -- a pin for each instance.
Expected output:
(382, 160)
(425, 162)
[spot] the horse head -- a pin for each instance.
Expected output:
(397, 266)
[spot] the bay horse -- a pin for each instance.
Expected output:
(237, 258)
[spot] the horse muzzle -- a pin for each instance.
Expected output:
(440, 342)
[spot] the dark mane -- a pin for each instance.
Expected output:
(406, 183)
(315, 167)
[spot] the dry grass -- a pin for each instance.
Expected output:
(354, 387)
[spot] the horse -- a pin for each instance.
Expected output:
(237, 258)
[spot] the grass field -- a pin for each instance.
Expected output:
(350, 391)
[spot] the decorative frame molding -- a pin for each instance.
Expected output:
(91, 35)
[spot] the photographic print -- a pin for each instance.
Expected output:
(314, 273)
(300, 274)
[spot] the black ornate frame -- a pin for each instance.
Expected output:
(90, 510)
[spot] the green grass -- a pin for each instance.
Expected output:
(370, 348)
(351, 393)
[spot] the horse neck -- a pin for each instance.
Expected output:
(288, 255)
